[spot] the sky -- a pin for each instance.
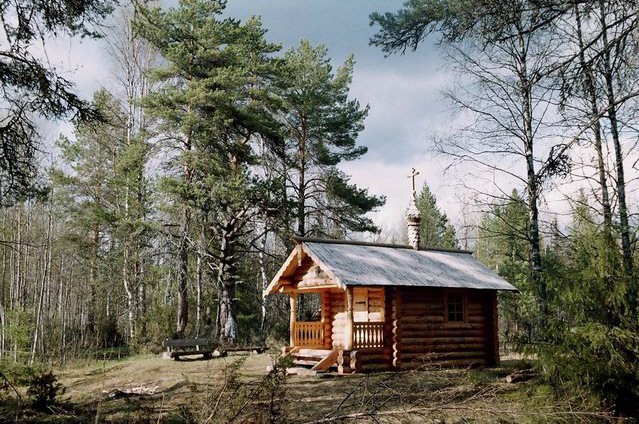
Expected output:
(403, 92)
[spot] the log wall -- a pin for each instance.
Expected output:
(337, 317)
(421, 333)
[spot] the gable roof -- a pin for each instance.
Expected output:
(367, 264)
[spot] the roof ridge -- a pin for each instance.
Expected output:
(365, 243)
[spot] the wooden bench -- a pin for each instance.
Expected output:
(251, 349)
(183, 347)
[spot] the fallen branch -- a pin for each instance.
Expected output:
(521, 375)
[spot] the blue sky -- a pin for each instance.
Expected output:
(403, 92)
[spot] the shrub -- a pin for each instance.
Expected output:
(600, 358)
(44, 388)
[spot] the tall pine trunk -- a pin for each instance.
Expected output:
(227, 268)
(183, 276)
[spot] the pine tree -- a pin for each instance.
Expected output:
(31, 87)
(211, 103)
(321, 125)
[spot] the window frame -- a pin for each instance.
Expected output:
(464, 304)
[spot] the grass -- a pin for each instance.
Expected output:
(238, 388)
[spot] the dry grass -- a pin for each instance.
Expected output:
(238, 389)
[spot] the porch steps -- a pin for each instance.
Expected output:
(327, 362)
(318, 360)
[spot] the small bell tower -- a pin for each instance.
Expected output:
(413, 216)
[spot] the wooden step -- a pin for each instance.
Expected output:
(304, 362)
(314, 353)
(327, 362)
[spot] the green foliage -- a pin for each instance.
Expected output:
(44, 389)
(435, 229)
(320, 126)
(503, 245)
(597, 357)
(32, 87)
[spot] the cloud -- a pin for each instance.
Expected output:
(405, 113)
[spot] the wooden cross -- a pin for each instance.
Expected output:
(413, 174)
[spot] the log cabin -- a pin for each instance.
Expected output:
(386, 306)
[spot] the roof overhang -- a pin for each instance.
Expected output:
(284, 280)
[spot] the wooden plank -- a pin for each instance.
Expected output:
(313, 352)
(187, 342)
(327, 362)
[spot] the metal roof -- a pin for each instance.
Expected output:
(362, 264)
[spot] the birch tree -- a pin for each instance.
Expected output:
(503, 52)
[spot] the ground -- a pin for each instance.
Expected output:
(238, 388)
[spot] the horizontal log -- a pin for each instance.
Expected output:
(424, 319)
(444, 347)
(421, 301)
(439, 326)
(369, 350)
(443, 355)
(370, 361)
(440, 340)
(453, 332)
(449, 363)
(374, 367)
(372, 358)
(476, 306)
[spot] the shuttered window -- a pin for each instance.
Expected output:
(455, 304)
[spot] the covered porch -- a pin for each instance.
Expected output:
(329, 320)
(350, 318)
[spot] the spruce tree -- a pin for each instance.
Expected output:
(435, 229)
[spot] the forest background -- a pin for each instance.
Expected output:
(175, 198)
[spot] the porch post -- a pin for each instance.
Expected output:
(348, 329)
(293, 300)
(326, 319)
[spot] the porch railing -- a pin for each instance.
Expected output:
(368, 334)
(308, 334)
